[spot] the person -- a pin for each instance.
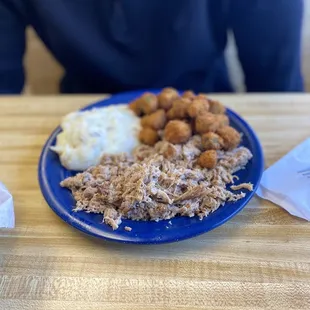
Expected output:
(108, 46)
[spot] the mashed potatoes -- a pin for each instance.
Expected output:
(87, 135)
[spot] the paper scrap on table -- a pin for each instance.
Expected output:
(7, 217)
(287, 182)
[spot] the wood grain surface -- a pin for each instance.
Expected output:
(260, 259)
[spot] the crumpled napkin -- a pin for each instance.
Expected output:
(287, 182)
(7, 217)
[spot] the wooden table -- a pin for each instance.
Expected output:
(258, 260)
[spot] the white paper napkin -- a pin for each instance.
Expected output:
(7, 218)
(287, 182)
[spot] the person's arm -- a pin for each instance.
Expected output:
(268, 39)
(12, 48)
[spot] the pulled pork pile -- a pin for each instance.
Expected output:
(157, 183)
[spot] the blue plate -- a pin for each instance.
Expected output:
(51, 173)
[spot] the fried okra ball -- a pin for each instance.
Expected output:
(202, 96)
(135, 107)
(197, 107)
(148, 136)
(205, 123)
(179, 109)
(222, 119)
(170, 89)
(156, 120)
(230, 136)
(189, 95)
(211, 141)
(146, 104)
(216, 107)
(166, 97)
(177, 132)
(208, 159)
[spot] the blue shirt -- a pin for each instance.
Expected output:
(117, 45)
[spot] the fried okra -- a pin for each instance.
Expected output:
(177, 132)
(146, 104)
(216, 107)
(208, 159)
(189, 95)
(156, 120)
(211, 141)
(205, 123)
(230, 136)
(179, 109)
(166, 97)
(148, 136)
(197, 107)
